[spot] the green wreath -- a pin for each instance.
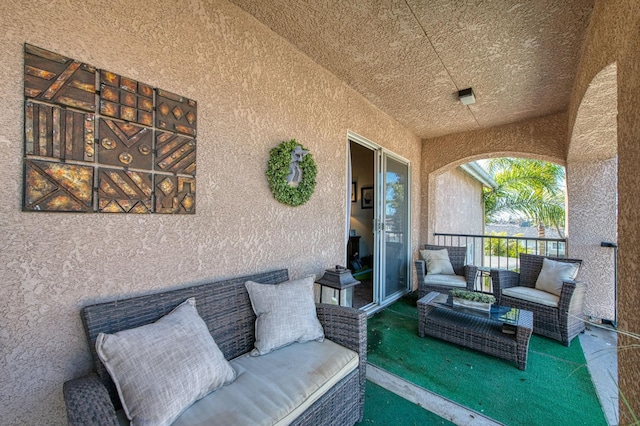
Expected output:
(278, 169)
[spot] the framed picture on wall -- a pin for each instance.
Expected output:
(354, 191)
(366, 197)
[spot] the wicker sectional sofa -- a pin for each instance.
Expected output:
(227, 312)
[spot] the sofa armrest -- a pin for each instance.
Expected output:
(471, 273)
(347, 327)
(88, 402)
(571, 310)
(421, 269)
(568, 287)
(501, 279)
(572, 297)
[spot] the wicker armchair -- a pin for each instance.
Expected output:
(557, 318)
(465, 275)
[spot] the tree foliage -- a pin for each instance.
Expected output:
(532, 189)
(503, 246)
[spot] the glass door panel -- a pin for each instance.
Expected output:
(394, 226)
(380, 222)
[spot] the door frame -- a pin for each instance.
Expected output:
(379, 243)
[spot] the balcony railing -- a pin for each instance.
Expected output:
(499, 251)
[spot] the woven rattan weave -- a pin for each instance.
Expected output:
(479, 332)
(563, 322)
(226, 309)
(457, 256)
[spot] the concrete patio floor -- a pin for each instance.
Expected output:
(599, 346)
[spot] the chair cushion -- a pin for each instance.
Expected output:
(286, 313)
(437, 261)
(554, 273)
(532, 295)
(448, 280)
(274, 388)
(160, 369)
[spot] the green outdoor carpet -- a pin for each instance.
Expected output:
(385, 408)
(556, 388)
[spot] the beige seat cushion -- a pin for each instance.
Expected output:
(276, 388)
(456, 281)
(532, 295)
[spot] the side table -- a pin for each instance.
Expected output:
(483, 275)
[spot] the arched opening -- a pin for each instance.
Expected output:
(592, 177)
(499, 207)
(454, 199)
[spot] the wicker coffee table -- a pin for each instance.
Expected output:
(503, 332)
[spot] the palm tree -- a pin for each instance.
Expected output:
(531, 188)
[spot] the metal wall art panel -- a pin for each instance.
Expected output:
(175, 195)
(176, 113)
(88, 150)
(187, 195)
(51, 131)
(125, 98)
(126, 145)
(175, 153)
(58, 187)
(50, 77)
(124, 191)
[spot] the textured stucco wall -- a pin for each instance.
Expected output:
(592, 200)
(253, 91)
(629, 209)
(459, 207)
(542, 138)
(613, 36)
(592, 177)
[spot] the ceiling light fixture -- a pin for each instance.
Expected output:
(467, 96)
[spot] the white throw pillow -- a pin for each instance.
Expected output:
(286, 313)
(554, 273)
(160, 369)
(437, 261)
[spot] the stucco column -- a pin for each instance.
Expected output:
(592, 210)
(629, 215)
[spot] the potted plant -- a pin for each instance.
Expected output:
(472, 299)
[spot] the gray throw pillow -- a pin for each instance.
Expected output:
(285, 313)
(554, 273)
(160, 369)
(437, 261)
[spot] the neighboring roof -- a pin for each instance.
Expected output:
(526, 231)
(476, 171)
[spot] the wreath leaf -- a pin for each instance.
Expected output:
(278, 170)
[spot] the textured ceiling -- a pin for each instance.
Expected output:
(410, 57)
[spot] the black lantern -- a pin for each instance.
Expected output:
(337, 280)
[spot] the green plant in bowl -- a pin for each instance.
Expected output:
(473, 296)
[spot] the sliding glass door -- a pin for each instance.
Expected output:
(393, 228)
(379, 220)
